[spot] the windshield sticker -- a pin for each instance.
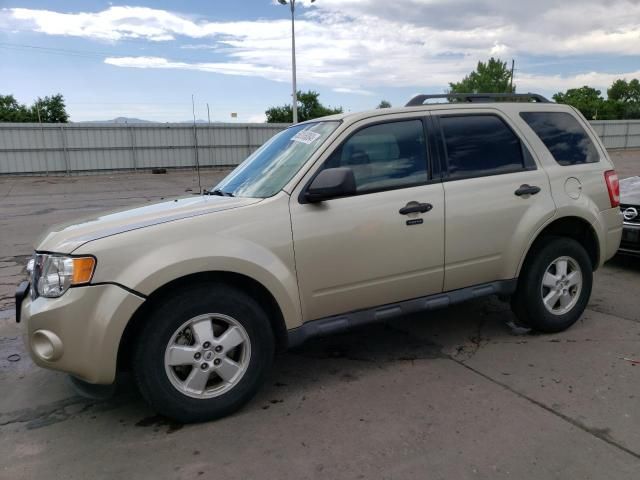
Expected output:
(305, 136)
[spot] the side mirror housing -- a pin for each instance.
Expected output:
(331, 183)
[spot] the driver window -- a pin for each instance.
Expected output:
(384, 156)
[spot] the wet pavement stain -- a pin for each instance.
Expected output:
(158, 421)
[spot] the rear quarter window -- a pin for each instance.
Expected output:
(563, 135)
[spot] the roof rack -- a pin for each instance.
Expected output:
(478, 97)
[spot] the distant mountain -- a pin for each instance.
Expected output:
(127, 120)
(119, 120)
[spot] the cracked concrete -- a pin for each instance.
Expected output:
(457, 393)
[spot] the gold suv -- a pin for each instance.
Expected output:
(333, 223)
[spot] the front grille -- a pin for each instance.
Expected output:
(628, 211)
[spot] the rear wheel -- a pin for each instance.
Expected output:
(554, 286)
(203, 353)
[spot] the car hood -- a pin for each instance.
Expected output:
(630, 191)
(66, 237)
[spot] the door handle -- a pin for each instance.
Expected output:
(527, 190)
(413, 207)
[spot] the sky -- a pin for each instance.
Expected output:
(146, 59)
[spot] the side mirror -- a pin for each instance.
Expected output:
(331, 183)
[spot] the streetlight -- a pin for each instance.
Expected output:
(292, 4)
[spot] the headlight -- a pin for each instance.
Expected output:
(54, 274)
(30, 265)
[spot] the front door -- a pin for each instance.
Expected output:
(361, 251)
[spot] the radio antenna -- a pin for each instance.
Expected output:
(195, 143)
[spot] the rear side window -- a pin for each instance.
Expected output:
(480, 145)
(563, 136)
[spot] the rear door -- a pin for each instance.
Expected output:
(496, 196)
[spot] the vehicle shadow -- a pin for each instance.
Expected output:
(629, 262)
(456, 333)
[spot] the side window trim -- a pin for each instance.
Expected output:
(430, 179)
(529, 164)
(435, 145)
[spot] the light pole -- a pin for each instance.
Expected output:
(292, 4)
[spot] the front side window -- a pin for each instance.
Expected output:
(479, 145)
(384, 156)
(270, 167)
(563, 136)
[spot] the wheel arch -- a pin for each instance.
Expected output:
(243, 282)
(577, 228)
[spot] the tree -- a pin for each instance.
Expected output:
(384, 104)
(490, 77)
(623, 91)
(586, 99)
(12, 111)
(623, 100)
(48, 110)
(51, 109)
(309, 107)
(626, 98)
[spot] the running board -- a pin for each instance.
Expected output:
(341, 323)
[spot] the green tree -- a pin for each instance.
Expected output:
(623, 91)
(589, 101)
(51, 109)
(309, 107)
(384, 104)
(490, 77)
(12, 111)
(48, 110)
(625, 98)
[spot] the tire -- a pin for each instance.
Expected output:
(164, 345)
(566, 301)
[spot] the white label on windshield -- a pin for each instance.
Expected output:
(305, 136)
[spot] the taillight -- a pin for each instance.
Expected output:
(613, 185)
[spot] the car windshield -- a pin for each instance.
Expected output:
(270, 167)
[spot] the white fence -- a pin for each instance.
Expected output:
(28, 148)
(618, 133)
(73, 148)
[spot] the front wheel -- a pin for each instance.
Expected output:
(203, 353)
(554, 286)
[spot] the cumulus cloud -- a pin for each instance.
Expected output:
(355, 46)
(356, 91)
(229, 68)
(533, 82)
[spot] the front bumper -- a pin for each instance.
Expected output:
(79, 332)
(630, 243)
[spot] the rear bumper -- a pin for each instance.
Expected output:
(79, 333)
(609, 229)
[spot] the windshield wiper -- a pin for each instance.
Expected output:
(218, 192)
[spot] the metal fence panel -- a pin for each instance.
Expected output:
(618, 133)
(74, 148)
(28, 148)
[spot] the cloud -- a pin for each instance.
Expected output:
(257, 118)
(357, 91)
(228, 68)
(533, 82)
(199, 46)
(356, 46)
